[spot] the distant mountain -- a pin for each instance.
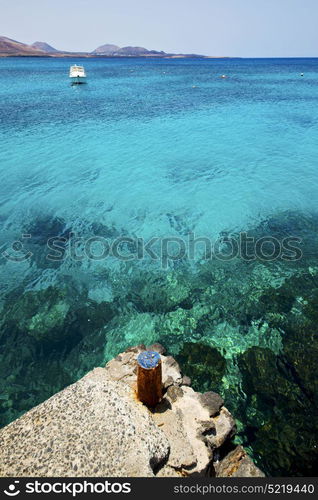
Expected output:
(44, 46)
(9, 47)
(137, 51)
(106, 50)
(115, 51)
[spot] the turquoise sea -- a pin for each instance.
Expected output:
(156, 152)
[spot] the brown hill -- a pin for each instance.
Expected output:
(10, 47)
(108, 49)
(45, 47)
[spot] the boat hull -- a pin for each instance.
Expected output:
(78, 80)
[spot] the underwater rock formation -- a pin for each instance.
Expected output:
(281, 406)
(53, 314)
(203, 364)
(276, 413)
(39, 331)
(159, 292)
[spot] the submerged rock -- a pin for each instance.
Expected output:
(51, 314)
(46, 344)
(159, 292)
(263, 376)
(40, 314)
(203, 364)
(44, 227)
(281, 418)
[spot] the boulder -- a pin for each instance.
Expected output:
(225, 428)
(181, 455)
(237, 464)
(94, 427)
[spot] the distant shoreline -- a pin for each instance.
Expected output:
(89, 56)
(13, 48)
(96, 56)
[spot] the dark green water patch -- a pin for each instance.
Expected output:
(39, 332)
(203, 364)
(280, 419)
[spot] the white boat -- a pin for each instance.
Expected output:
(77, 74)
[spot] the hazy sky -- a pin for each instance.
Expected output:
(255, 28)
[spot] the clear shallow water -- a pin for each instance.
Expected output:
(140, 138)
(157, 148)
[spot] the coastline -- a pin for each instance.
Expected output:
(96, 56)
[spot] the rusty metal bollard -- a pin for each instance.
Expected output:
(149, 378)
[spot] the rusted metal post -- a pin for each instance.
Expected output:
(149, 378)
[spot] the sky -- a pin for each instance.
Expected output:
(238, 28)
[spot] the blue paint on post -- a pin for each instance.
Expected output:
(148, 359)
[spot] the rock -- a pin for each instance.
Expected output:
(123, 367)
(174, 392)
(206, 429)
(237, 464)
(186, 380)
(168, 382)
(168, 471)
(224, 426)
(157, 348)
(136, 349)
(212, 401)
(170, 368)
(192, 415)
(92, 428)
(181, 452)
